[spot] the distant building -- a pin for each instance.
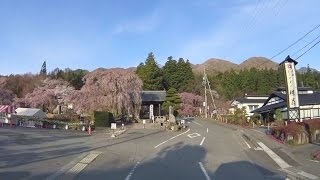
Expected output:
(30, 112)
(5, 113)
(249, 102)
(154, 98)
(309, 102)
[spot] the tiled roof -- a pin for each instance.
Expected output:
(304, 99)
(153, 96)
(248, 100)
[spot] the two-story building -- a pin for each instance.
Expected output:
(249, 102)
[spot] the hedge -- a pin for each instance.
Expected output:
(103, 118)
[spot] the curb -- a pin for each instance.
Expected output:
(118, 133)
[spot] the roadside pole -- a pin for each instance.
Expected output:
(89, 130)
(113, 127)
(144, 124)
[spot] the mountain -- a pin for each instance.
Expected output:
(259, 63)
(214, 66)
(305, 69)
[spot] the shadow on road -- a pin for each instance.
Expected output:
(180, 161)
(11, 158)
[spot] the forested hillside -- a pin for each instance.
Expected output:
(178, 74)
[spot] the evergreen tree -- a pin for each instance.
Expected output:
(177, 74)
(150, 73)
(172, 99)
(310, 78)
(43, 70)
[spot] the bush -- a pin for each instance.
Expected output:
(276, 132)
(294, 129)
(316, 155)
(103, 118)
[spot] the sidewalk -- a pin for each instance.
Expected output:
(299, 157)
(296, 156)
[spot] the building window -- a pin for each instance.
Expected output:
(316, 113)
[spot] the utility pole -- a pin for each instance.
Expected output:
(206, 82)
(205, 93)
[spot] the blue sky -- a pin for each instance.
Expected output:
(108, 33)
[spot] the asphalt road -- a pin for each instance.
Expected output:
(204, 150)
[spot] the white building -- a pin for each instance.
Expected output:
(30, 112)
(249, 102)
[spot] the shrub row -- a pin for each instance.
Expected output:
(298, 132)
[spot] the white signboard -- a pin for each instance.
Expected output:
(113, 125)
(292, 88)
(151, 111)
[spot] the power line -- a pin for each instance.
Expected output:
(306, 45)
(281, 6)
(308, 49)
(296, 41)
(255, 20)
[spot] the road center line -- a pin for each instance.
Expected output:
(197, 123)
(204, 171)
(132, 171)
(202, 141)
(171, 138)
(207, 130)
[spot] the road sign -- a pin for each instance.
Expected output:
(151, 111)
(113, 125)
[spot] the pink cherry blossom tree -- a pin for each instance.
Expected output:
(49, 94)
(116, 90)
(190, 104)
(6, 97)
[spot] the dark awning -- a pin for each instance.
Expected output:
(269, 108)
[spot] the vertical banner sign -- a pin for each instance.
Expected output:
(151, 111)
(292, 88)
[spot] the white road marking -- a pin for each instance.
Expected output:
(207, 130)
(197, 123)
(75, 170)
(89, 158)
(66, 167)
(204, 171)
(313, 161)
(171, 138)
(132, 171)
(274, 156)
(193, 135)
(308, 175)
(258, 149)
(257, 131)
(246, 143)
(202, 141)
